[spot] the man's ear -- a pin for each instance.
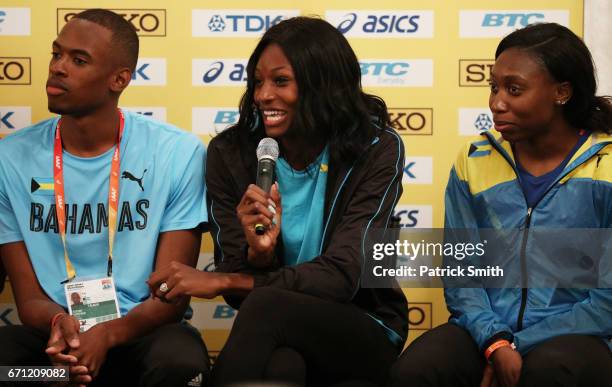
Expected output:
(121, 79)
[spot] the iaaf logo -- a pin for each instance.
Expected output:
(473, 121)
(15, 21)
(417, 216)
(147, 22)
(157, 113)
(13, 118)
(382, 24)
(212, 120)
(498, 23)
(149, 72)
(397, 72)
(236, 22)
(218, 72)
(418, 170)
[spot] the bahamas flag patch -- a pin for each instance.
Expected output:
(42, 186)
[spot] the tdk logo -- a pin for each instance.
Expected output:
(236, 22)
(149, 72)
(418, 170)
(376, 24)
(397, 72)
(472, 121)
(156, 113)
(13, 118)
(498, 23)
(416, 216)
(212, 120)
(15, 21)
(219, 72)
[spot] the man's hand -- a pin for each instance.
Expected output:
(488, 377)
(507, 364)
(91, 353)
(64, 337)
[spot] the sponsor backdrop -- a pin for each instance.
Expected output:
(429, 60)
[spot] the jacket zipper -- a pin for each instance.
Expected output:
(519, 321)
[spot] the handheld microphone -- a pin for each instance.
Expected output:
(267, 153)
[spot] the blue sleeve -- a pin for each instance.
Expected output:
(592, 316)
(470, 308)
(186, 207)
(9, 228)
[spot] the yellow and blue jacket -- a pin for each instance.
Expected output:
(483, 191)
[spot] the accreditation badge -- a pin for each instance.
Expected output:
(92, 301)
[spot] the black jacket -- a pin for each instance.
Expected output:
(359, 195)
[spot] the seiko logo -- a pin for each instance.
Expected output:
(412, 121)
(475, 72)
(15, 71)
(147, 22)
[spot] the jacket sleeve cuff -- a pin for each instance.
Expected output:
(498, 336)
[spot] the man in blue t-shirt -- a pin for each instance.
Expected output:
(64, 184)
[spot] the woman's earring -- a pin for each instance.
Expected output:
(256, 118)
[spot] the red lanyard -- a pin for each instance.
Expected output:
(113, 197)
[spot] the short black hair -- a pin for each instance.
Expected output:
(567, 59)
(331, 103)
(124, 38)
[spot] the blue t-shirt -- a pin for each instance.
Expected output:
(303, 195)
(161, 189)
(534, 187)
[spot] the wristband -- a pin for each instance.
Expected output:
(496, 345)
(56, 317)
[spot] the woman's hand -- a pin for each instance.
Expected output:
(258, 207)
(507, 364)
(182, 280)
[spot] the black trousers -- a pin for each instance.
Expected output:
(448, 356)
(172, 355)
(296, 339)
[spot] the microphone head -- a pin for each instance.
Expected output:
(267, 149)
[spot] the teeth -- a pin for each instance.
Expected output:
(273, 115)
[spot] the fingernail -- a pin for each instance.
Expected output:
(274, 221)
(271, 203)
(272, 209)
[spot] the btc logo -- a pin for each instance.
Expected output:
(15, 71)
(475, 72)
(412, 121)
(147, 22)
